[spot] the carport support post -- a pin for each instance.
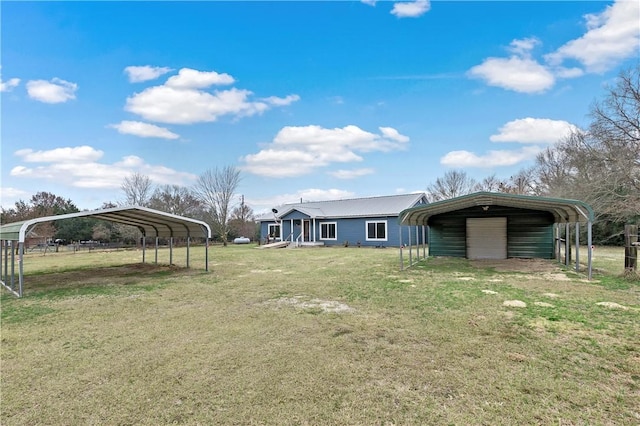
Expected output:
(156, 250)
(170, 250)
(206, 255)
(144, 247)
(577, 246)
(13, 268)
(401, 259)
(410, 247)
(424, 242)
(417, 243)
(3, 272)
(589, 249)
(20, 262)
(567, 244)
(556, 231)
(630, 248)
(6, 259)
(188, 247)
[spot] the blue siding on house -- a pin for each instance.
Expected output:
(351, 230)
(303, 221)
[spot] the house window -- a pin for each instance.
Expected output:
(274, 231)
(328, 231)
(377, 231)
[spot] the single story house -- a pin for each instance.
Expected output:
(369, 221)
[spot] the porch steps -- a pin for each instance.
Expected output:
(277, 244)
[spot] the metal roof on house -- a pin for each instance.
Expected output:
(563, 210)
(152, 223)
(390, 205)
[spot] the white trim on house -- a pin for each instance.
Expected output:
(335, 230)
(270, 231)
(376, 238)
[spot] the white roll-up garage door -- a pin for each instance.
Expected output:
(487, 238)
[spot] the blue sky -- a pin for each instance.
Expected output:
(310, 100)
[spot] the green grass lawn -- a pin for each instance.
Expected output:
(318, 336)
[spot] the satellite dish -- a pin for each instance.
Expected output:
(275, 211)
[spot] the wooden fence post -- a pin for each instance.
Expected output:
(630, 248)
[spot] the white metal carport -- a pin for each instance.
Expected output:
(151, 223)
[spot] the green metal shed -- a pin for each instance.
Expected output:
(487, 225)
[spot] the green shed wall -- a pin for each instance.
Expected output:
(529, 232)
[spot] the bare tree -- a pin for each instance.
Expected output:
(242, 222)
(601, 165)
(522, 183)
(614, 146)
(175, 199)
(215, 189)
(137, 189)
(489, 184)
(454, 184)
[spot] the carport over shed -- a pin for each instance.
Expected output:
(151, 223)
(481, 204)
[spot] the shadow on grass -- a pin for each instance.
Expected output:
(98, 281)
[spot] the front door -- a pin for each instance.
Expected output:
(306, 226)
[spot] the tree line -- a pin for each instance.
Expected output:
(211, 199)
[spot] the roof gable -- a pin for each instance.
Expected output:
(563, 210)
(150, 222)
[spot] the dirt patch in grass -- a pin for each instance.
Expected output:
(305, 303)
(533, 266)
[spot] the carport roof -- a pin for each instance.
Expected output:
(152, 223)
(563, 210)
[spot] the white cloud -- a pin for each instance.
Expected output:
(491, 159)
(411, 9)
(369, 2)
(138, 74)
(7, 86)
(9, 196)
(515, 73)
(612, 36)
(144, 130)
(300, 150)
(79, 154)
(51, 92)
(188, 78)
(80, 167)
(534, 130)
(276, 101)
(181, 100)
(391, 133)
(351, 174)
(523, 47)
